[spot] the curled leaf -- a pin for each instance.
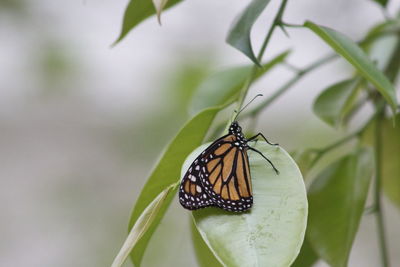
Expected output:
(159, 5)
(143, 223)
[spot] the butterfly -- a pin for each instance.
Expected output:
(220, 175)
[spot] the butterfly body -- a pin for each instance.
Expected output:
(220, 175)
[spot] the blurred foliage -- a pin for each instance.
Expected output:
(390, 162)
(337, 199)
(223, 85)
(180, 84)
(17, 7)
(57, 67)
(333, 104)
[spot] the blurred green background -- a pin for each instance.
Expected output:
(81, 123)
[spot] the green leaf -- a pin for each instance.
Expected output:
(167, 171)
(205, 257)
(382, 29)
(226, 84)
(331, 105)
(136, 12)
(382, 2)
(337, 198)
(307, 256)
(143, 223)
(239, 34)
(355, 56)
(272, 232)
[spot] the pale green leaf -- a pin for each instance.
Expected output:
(239, 34)
(355, 56)
(337, 199)
(271, 233)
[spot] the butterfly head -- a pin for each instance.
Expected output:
(235, 129)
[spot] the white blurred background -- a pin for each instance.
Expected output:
(81, 123)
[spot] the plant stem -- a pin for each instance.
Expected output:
(377, 191)
(276, 22)
(249, 81)
(322, 152)
(345, 139)
(291, 82)
(391, 71)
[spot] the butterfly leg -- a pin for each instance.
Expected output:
(269, 161)
(254, 138)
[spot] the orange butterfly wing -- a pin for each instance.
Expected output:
(226, 175)
(220, 176)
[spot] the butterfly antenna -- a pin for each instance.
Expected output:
(237, 113)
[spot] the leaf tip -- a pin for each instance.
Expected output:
(159, 19)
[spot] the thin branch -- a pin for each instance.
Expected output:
(275, 23)
(321, 152)
(290, 83)
(377, 190)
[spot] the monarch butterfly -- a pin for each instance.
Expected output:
(220, 175)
